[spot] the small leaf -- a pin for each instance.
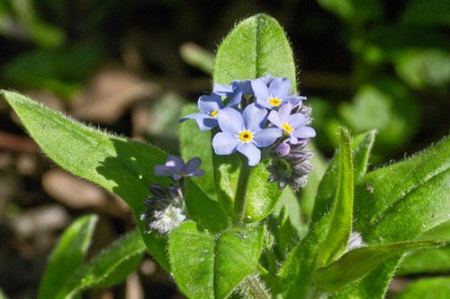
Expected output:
(112, 265)
(254, 48)
(68, 255)
(401, 201)
(360, 261)
(429, 288)
(342, 212)
(211, 266)
(119, 165)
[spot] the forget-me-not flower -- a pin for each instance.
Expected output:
(234, 91)
(177, 169)
(274, 93)
(209, 106)
(293, 125)
(244, 132)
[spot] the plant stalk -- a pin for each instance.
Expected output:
(241, 193)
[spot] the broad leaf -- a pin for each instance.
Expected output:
(121, 166)
(401, 201)
(429, 288)
(68, 255)
(111, 266)
(254, 48)
(211, 266)
(358, 262)
(342, 212)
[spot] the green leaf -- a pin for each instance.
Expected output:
(109, 267)
(119, 165)
(206, 212)
(429, 288)
(196, 143)
(2, 295)
(68, 255)
(358, 262)
(426, 13)
(361, 153)
(295, 275)
(342, 212)
(353, 11)
(254, 48)
(211, 266)
(374, 285)
(361, 146)
(432, 260)
(400, 202)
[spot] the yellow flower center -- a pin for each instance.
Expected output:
(246, 136)
(287, 127)
(275, 102)
(214, 113)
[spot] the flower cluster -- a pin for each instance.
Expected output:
(260, 118)
(166, 208)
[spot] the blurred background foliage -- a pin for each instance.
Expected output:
(363, 63)
(129, 66)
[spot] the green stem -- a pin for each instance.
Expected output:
(255, 289)
(241, 193)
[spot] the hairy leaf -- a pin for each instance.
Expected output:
(254, 48)
(360, 261)
(429, 288)
(211, 266)
(119, 165)
(342, 212)
(111, 266)
(401, 201)
(68, 255)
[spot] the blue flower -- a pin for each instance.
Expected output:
(209, 106)
(271, 92)
(234, 91)
(244, 132)
(293, 125)
(177, 169)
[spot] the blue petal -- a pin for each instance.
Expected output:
(297, 120)
(231, 121)
(192, 165)
(285, 111)
(252, 153)
(254, 117)
(279, 87)
(260, 89)
(175, 163)
(305, 132)
(274, 117)
(223, 89)
(209, 103)
(225, 144)
(267, 137)
(207, 123)
(163, 170)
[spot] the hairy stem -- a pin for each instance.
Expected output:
(241, 193)
(253, 288)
